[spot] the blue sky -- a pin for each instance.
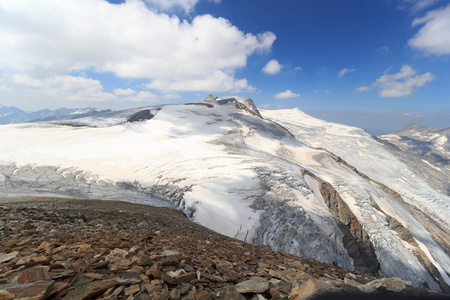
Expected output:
(378, 65)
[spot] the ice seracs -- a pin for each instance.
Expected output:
(279, 178)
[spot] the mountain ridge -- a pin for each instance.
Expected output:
(14, 115)
(246, 177)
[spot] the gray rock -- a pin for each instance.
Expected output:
(170, 252)
(8, 257)
(129, 278)
(210, 98)
(253, 285)
(386, 284)
(230, 294)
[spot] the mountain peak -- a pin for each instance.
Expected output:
(211, 98)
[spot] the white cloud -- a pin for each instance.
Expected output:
(127, 92)
(272, 67)
(362, 89)
(400, 84)
(417, 5)
(218, 81)
(345, 71)
(383, 50)
(409, 115)
(74, 91)
(56, 38)
(298, 69)
(433, 37)
(144, 96)
(286, 95)
(55, 88)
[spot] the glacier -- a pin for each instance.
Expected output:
(280, 178)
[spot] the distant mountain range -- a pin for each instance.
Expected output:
(13, 115)
(425, 150)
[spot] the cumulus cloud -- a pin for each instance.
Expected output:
(362, 89)
(433, 37)
(286, 95)
(48, 92)
(218, 81)
(143, 96)
(345, 71)
(400, 84)
(126, 92)
(272, 67)
(61, 87)
(58, 38)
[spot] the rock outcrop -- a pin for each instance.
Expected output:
(88, 249)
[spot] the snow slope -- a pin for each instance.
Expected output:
(241, 175)
(425, 150)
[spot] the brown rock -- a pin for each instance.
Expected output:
(203, 295)
(311, 288)
(122, 265)
(88, 290)
(231, 294)
(58, 290)
(44, 245)
(8, 257)
(58, 249)
(93, 276)
(129, 278)
(84, 248)
(185, 278)
(153, 288)
(34, 274)
(132, 290)
(169, 279)
(5, 295)
(231, 276)
(386, 284)
(253, 285)
(155, 273)
(30, 291)
(119, 253)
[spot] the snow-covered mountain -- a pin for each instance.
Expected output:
(14, 115)
(425, 150)
(279, 178)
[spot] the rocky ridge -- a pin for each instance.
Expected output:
(88, 249)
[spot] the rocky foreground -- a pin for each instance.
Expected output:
(89, 249)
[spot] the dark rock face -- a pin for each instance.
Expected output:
(356, 240)
(141, 116)
(251, 105)
(200, 104)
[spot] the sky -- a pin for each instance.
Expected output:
(378, 65)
